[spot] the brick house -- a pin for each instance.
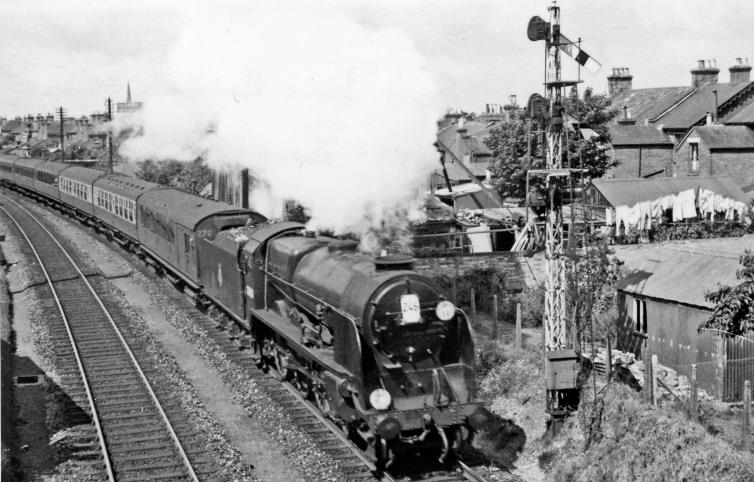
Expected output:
(643, 151)
(716, 150)
(673, 110)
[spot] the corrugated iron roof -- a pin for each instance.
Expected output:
(633, 135)
(696, 107)
(682, 271)
(628, 192)
(726, 137)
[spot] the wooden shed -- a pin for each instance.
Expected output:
(661, 303)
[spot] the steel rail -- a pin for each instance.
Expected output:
(148, 386)
(89, 396)
(335, 430)
(469, 474)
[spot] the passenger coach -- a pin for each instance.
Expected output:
(47, 178)
(115, 200)
(171, 222)
(76, 189)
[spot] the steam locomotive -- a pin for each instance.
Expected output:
(373, 344)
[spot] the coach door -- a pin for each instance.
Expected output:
(187, 252)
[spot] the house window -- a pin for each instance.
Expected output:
(640, 316)
(694, 156)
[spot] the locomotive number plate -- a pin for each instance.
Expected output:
(410, 308)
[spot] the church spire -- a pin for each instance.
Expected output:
(128, 93)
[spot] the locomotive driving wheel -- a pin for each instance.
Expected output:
(281, 364)
(323, 401)
(383, 454)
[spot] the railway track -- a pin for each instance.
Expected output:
(328, 437)
(132, 434)
(352, 462)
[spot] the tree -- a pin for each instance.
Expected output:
(734, 305)
(193, 177)
(188, 176)
(508, 142)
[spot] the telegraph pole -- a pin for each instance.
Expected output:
(110, 135)
(61, 115)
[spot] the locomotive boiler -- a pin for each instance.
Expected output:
(377, 346)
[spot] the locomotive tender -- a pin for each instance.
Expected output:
(373, 344)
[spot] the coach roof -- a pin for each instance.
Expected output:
(53, 167)
(186, 209)
(83, 174)
(127, 186)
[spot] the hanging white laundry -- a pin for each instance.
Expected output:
(686, 200)
(644, 213)
(480, 238)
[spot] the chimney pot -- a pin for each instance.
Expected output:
(739, 72)
(700, 64)
(709, 119)
(620, 81)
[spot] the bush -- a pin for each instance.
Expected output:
(485, 282)
(638, 442)
(513, 378)
(532, 305)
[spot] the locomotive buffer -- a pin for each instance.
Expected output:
(561, 360)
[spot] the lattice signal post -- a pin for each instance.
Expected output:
(561, 362)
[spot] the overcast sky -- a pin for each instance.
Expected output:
(77, 53)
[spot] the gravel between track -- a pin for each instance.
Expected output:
(226, 456)
(297, 448)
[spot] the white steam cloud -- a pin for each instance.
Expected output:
(335, 115)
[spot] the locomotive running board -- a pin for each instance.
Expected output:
(292, 335)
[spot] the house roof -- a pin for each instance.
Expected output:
(650, 103)
(725, 137)
(456, 173)
(682, 271)
(479, 169)
(633, 135)
(628, 192)
(53, 128)
(13, 126)
(696, 107)
(477, 131)
(744, 116)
